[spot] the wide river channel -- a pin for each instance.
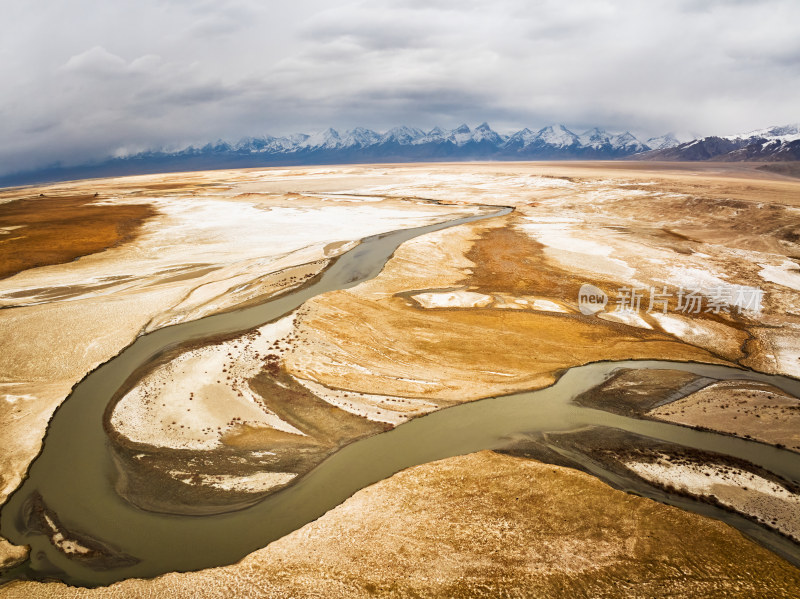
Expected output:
(74, 472)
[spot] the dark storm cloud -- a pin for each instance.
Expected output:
(82, 80)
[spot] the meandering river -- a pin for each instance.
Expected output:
(74, 472)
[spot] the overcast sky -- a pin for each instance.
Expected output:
(82, 79)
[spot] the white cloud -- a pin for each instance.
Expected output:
(96, 61)
(146, 63)
(143, 73)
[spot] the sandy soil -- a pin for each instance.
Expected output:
(11, 555)
(740, 490)
(787, 169)
(745, 409)
(633, 392)
(484, 525)
(39, 231)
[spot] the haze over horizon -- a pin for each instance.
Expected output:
(84, 81)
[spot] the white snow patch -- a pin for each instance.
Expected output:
(560, 236)
(452, 299)
(253, 483)
(711, 284)
(378, 408)
(193, 400)
(10, 398)
(787, 274)
(66, 545)
(547, 306)
(703, 333)
(242, 239)
(695, 278)
(629, 318)
(528, 302)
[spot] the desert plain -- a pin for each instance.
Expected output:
(483, 309)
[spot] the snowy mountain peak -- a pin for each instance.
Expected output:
(327, 138)
(774, 132)
(558, 136)
(594, 138)
(296, 138)
(362, 144)
(524, 133)
(662, 142)
(399, 144)
(784, 133)
(483, 133)
(627, 142)
(402, 135)
(253, 144)
(460, 135)
(360, 137)
(218, 146)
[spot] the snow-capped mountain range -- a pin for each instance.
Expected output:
(410, 143)
(774, 144)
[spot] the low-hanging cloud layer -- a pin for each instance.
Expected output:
(83, 80)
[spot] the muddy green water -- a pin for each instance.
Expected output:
(74, 472)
